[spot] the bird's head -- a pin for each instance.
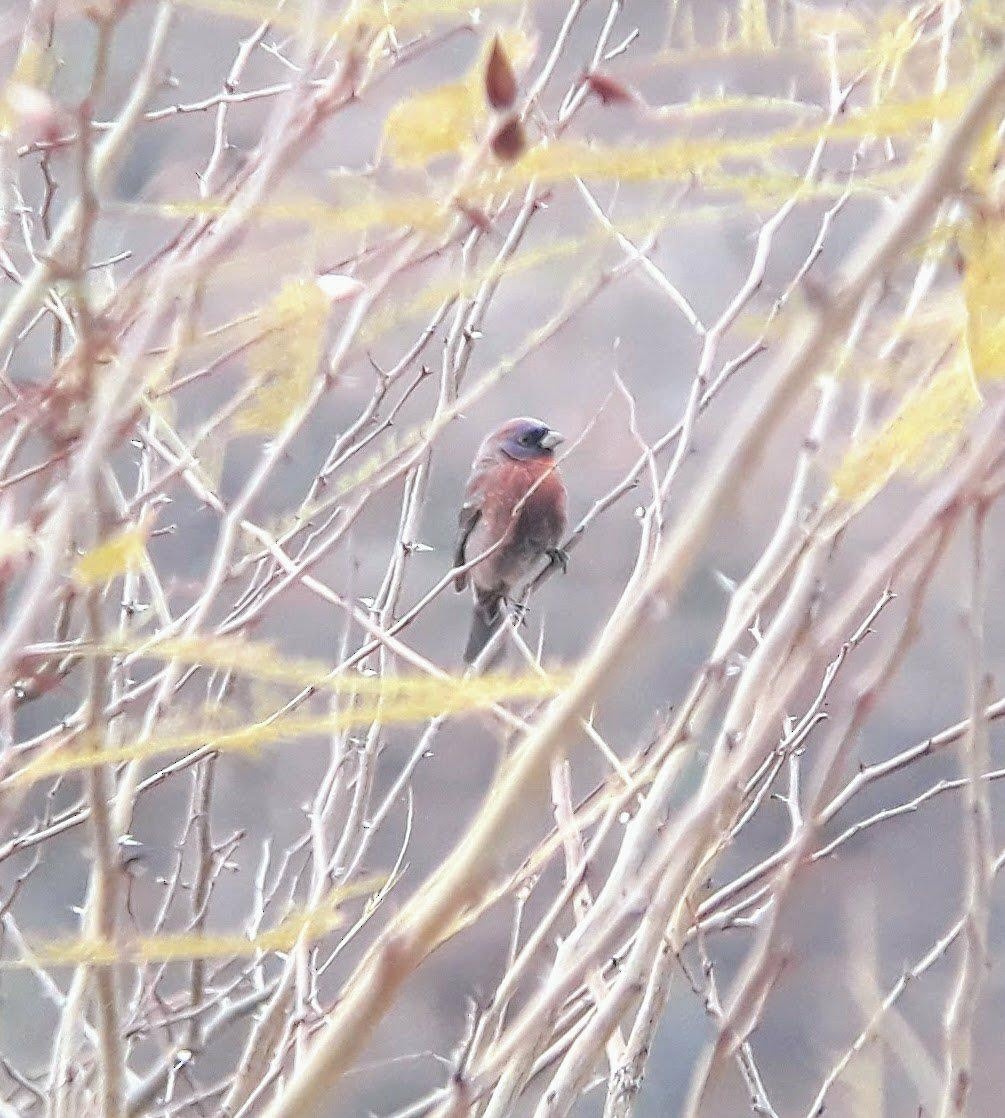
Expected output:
(526, 439)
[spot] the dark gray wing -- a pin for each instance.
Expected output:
(467, 518)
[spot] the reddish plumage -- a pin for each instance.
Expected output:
(514, 464)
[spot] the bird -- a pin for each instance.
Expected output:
(515, 510)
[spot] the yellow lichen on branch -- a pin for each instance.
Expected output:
(26, 75)
(685, 157)
(982, 243)
(437, 122)
(446, 119)
(753, 24)
(285, 361)
(391, 701)
(120, 553)
(919, 439)
(173, 947)
(261, 661)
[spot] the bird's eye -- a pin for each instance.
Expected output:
(527, 440)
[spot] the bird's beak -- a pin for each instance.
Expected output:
(551, 440)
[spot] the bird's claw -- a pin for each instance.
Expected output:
(518, 611)
(560, 557)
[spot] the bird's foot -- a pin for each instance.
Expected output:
(559, 557)
(518, 611)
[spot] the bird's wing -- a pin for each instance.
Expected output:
(467, 518)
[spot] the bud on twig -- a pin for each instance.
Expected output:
(609, 90)
(478, 218)
(500, 81)
(509, 141)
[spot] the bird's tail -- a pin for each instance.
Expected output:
(485, 619)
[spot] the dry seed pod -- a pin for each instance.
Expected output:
(478, 218)
(500, 81)
(609, 90)
(509, 141)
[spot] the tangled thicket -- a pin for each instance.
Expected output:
(263, 848)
